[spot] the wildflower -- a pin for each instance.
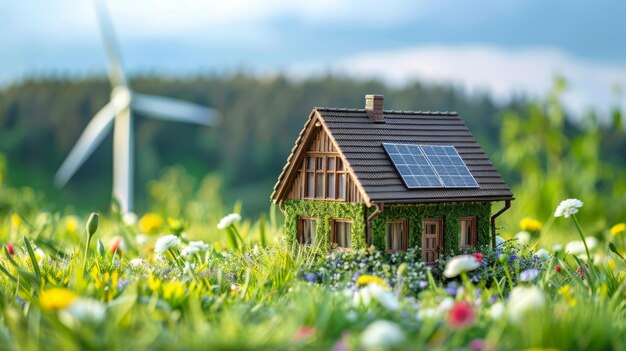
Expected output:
(611, 264)
(341, 344)
(228, 220)
(137, 262)
(461, 315)
(529, 275)
(16, 220)
(150, 223)
(557, 268)
(165, 243)
(557, 247)
(567, 208)
(71, 224)
(366, 279)
(618, 229)
(479, 257)
(56, 298)
(477, 345)
(129, 218)
(195, 247)
(382, 334)
(10, 249)
(497, 310)
(523, 237)
(87, 310)
(117, 244)
(303, 333)
(565, 291)
(580, 270)
(543, 254)
(379, 294)
(530, 225)
(40, 255)
(523, 300)
(460, 264)
(577, 247)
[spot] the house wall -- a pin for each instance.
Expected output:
(451, 214)
(321, 144)
(325, 212)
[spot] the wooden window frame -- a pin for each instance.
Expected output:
(333, 235)
(474, 234)
(404, 239)
(301, 229)
(324, 172)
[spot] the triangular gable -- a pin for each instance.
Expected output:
(310, 133)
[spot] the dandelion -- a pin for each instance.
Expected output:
(565, 292)
(56, 298)
(40, 255)
(567, 208)
(366, 279)
(382, 334)
(461, 315)
(16, 220)
(165, 243)
(151, 223)
(530, 225)
(611, 264)
(524, 300)
(229, 220)
(618, 229)
(529, 275)
(460, 264)
(195, 247)
(71, 224)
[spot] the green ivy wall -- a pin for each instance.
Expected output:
(326, 211)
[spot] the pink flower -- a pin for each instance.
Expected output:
(477, 345)
(342, 344)
(581, 272)
(303, 333)
(10, 249)
(479, 257)
(461, 315)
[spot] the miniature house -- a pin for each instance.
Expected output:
(391, 179)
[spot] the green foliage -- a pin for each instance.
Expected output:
(450, 212)
(325, 212)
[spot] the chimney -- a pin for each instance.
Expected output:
(374, 107)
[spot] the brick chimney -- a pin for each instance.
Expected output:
(374, 107)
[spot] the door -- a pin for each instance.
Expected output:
(432, 239)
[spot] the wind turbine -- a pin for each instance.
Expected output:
(118, 114)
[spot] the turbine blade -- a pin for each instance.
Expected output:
(92, 136)
(174, 110)
(116, 72)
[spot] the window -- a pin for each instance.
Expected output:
(397, 235)
(468, 232)
(341, 233)
(325, 177)
(306, 230)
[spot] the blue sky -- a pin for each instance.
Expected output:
(500, 47)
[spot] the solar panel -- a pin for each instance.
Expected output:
(430, 166)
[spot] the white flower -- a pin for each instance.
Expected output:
(87, 310)
(40, 255)
(375, 292)
(577, 247)
(459, 264)
(529, 275)
(524, 299)
(497, 310)
(142, 239)
(228, 220)
(382, 334)
(195, 247)
(499, 240)
(568, 207)
(136, 262)
(165, 243)
(523, 237)
(129, 218)
(557, 247)
(543, 254)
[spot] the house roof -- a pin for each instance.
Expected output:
(359, 141)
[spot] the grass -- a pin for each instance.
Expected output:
(249, 289)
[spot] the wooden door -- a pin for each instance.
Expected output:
(432, 239)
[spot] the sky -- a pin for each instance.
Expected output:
(504, 48)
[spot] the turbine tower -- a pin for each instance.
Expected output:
(118, 113)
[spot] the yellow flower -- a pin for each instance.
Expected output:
(611, 264)
(530, 225)
(565, 291)
(617, 229)
(56, 298)
(71, 224)
(150, 223)
(16, 220)
(366, 279)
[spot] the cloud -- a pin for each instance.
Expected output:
(480, 68)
